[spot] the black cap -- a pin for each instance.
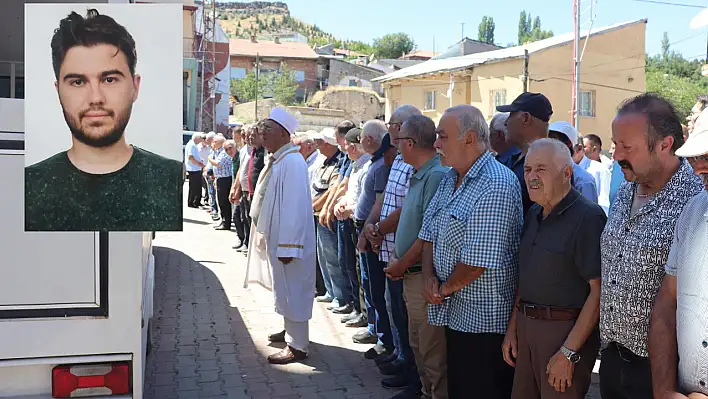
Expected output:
(385, 144)
(353, 136)
(535, 104)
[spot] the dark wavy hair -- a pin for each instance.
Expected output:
(75, 30)
(662, 119)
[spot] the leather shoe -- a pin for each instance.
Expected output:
(238, 246)
(351, 316)
(385, 358)
(324, 298)
(365, 337)
(392, 368)
(360, 321)
(375, 351)
(277, 337)
(343, 309)
(222, 227)
(397, 381)
(287, 355)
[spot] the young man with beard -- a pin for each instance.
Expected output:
(101, 183)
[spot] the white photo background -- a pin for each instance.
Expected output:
(156, 119)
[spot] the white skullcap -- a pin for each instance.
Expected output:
(284, 119)
(567, 129)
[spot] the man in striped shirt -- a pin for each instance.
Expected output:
(222, 163)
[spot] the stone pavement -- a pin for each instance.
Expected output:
(210, 333)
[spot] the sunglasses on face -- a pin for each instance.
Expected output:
(700, 158)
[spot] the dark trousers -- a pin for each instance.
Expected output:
(624, 375)
(223, 186)
(374, 280)
(320, 288)
(194, 195)
(475, 366)
(238, 222)
(399, 316)
(245, 208)
(346, 249)
(538, 341)
(205, 188)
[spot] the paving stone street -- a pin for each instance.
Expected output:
(211, 334)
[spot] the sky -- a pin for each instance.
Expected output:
(438, 22)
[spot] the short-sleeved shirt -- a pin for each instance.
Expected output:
(478, 224)
(602, 177)
(359, 170)
(224, 168)
(375, 183)
(561, 253)
(144, 195)
(584, 183)
(634, 253)
(245, 157)
(424, 185)
(516, 164)
(396, 189)
(344, 165)
(326, 176)
(687, 261)
(193, 150)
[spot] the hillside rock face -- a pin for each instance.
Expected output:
(259, 7)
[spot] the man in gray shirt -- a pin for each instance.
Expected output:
(552, 339)
(678, 337)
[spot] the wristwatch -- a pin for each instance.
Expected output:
(376, 228)
(572, 356)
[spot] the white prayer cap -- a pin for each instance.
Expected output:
(697, 143)
(328, 135)
(284, 119)
(566, 128)
(313, 134)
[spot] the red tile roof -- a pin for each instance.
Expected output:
(271, 49)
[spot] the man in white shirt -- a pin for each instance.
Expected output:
(592, 146)
(602, 176)
(309, 151)
(194, 165)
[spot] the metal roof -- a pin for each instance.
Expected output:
(434, 66)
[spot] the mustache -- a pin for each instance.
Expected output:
(535, 182)
(625, 165)
(83, 113)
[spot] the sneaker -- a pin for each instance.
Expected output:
(365, 337)
(351, 316)
(360, 321)
(333, 305)
(324, 298)
(346, 309)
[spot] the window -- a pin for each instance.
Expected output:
(238, 73)
(429, 100)
(299, 76)
(587, 104)
(496, 98)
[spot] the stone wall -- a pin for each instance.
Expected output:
(358, 104)
(341, 72)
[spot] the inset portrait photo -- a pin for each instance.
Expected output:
(103, 117)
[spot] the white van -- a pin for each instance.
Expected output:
(75, 307)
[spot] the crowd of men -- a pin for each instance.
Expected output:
(489, 260)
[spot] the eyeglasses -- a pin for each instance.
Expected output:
(388, 125)
(703, 158)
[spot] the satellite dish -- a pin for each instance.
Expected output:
(700, 20)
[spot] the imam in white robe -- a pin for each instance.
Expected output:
(285, 229)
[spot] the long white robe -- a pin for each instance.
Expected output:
(285, 229)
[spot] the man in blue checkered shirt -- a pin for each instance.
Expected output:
(223, 171)
(471, 233)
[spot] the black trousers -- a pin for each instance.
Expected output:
(245, 208)
(205, 189)
(223, 187)
(194, 195)
(319, 280)
(475, 366)
(624, 375)
(238, 222)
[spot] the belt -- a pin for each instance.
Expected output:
(627, 355)
(548, 312)
(414, 269)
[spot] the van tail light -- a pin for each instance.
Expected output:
(72, 381)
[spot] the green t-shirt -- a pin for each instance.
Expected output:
(145, 195)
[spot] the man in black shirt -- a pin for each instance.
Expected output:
(553, 339)
(101, 183)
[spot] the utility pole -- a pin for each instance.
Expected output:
(526, 70)
(258, 65)
(575, 106)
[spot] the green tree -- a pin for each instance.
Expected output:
(247, 88)
(486, 30)
(393, 45)
(665, 47)
(682, 92)
(529, 32)
(283, 85)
